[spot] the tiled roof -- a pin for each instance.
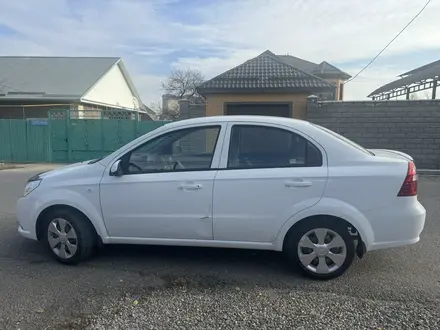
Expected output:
(265, 72)
(299, 63)
(327, 68)
(324, 68)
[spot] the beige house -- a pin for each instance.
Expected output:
(270, 84)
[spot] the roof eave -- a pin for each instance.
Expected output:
(129, 81)
(41, 99)
(206, 91)
(339, 75)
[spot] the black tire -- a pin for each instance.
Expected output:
(297, 232)
(86, 235)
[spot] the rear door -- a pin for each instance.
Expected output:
(267, 174)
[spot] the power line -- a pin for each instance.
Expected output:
(401, 31)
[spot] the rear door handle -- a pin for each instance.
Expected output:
(189, 186)
(298, 184)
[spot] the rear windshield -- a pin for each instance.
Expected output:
(347, 141)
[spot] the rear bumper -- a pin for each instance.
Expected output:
(387, 245)
(397, 226)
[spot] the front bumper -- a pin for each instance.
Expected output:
(26, 214)
(26, 234)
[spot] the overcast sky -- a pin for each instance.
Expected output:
(154, 36)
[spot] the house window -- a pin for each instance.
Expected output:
(341, 91)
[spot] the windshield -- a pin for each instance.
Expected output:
(340, 137)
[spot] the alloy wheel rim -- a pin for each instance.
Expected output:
(62, 238)
(322, 251)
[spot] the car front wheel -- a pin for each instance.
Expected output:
(322, 248)
(69, 236)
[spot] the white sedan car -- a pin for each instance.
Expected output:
(248, 182)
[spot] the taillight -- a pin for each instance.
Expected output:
(409, 186)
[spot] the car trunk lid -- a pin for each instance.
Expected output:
(391, 153)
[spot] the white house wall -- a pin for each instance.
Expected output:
(112, 91)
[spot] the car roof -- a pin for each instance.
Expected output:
(233, 119)
(332, 145)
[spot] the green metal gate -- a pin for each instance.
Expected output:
(77, 135)
(24, 141)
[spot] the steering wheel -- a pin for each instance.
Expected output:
(135, 166)
(167, 161)
(179, 163)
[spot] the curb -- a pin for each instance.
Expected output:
(8, 166)
(428, 172)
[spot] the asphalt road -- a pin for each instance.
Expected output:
(186, 288)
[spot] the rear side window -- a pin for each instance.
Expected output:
(255, 146)
(344, 139)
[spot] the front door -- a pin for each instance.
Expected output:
(166, 189)
(271, 174)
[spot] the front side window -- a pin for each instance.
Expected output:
(182, 150)
(269, 147)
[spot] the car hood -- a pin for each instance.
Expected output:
(70, 169)
(391, 153)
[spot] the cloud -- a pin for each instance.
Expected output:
(151, 87)
(212, 66)
(154, 36)
(315, 29)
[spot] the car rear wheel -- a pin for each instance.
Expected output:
(322, 248)
(69, 236)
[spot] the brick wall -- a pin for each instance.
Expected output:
(411, 126)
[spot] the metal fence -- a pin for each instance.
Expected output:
(68, 136)
(23, 141)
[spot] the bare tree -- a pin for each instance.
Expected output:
(171, 113)
(427, 95)
(419, 96)
(183, 83)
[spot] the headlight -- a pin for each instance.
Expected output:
(31, 186)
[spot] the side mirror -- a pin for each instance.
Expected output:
(116, 169)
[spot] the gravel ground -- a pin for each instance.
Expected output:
(140, 287)
(197, 304)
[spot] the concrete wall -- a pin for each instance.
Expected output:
(411, 126)
(188, 110)
(215, 103)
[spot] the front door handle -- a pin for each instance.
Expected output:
(191, 186)
(298, 184)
